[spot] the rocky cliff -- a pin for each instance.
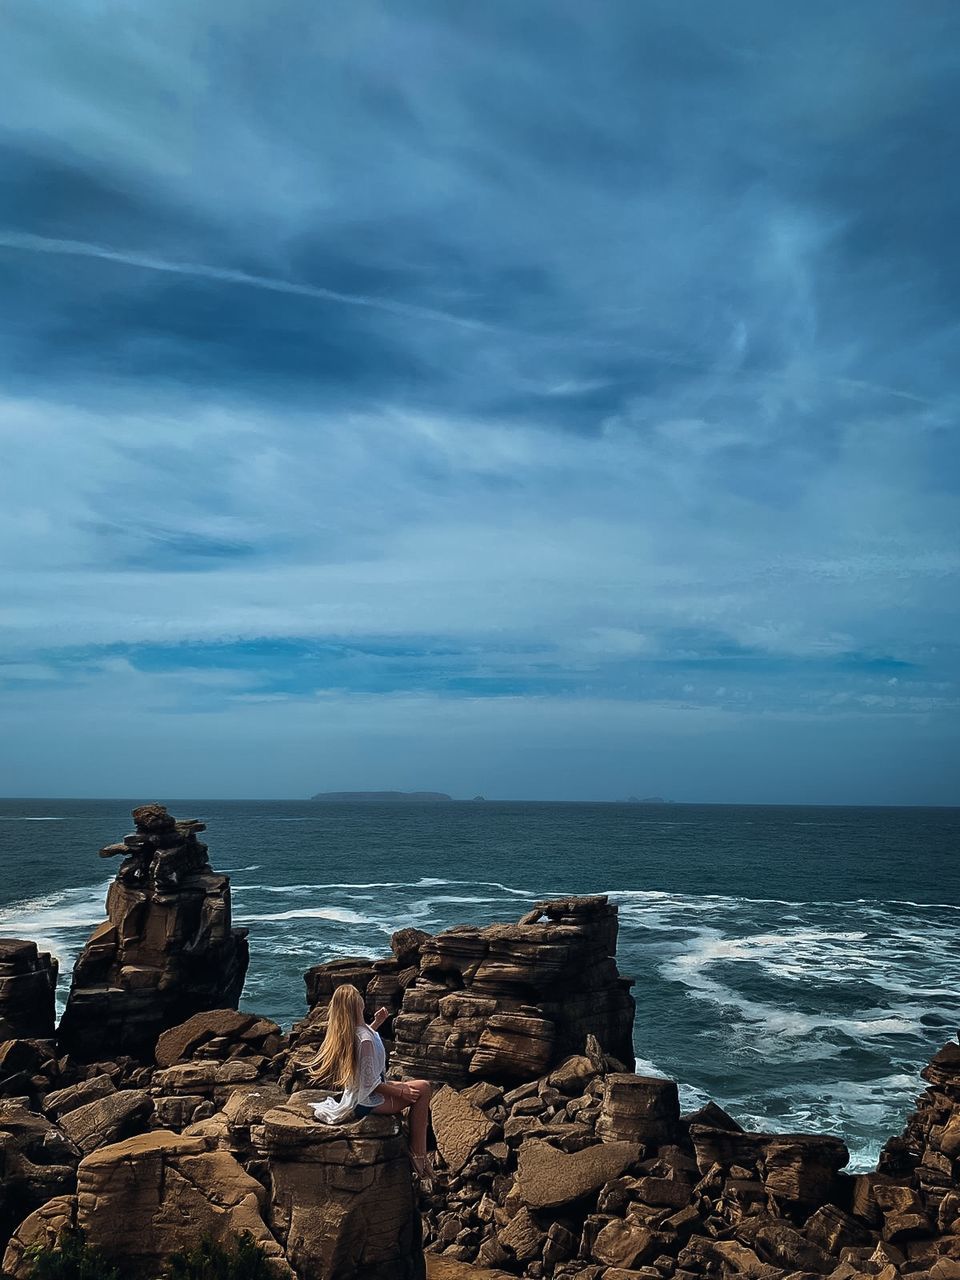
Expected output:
(166, 949)
(28, 984)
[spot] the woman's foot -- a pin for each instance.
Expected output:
(421, 1166)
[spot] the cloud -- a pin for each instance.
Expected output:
(503, 355)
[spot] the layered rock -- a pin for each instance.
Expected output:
(149, 1197)
(341, 1196)
(502, 1003)
(166, 950)
(28, 984)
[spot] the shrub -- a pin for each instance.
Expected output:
(70, 1259)
(211, 1261)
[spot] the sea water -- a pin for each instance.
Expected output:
(798, 965)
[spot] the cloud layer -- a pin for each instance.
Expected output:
(575, 385)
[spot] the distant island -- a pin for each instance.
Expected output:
(647, 800)
(380, 797)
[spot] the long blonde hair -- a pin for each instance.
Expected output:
(338, 1059)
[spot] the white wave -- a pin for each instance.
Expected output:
(339, 915)
(13, 819)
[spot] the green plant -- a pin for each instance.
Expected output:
(71, 1258)
(211, 1261)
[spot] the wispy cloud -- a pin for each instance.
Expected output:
(535, 373)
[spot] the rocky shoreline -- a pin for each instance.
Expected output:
(157, 1113)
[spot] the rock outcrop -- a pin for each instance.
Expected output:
(341, 1196)
(503, 1003)
(148, 1197)
(166, 950)
(28, 984)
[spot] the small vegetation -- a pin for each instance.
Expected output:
(70, 1259)
(211, 1261)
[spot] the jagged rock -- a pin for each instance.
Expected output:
(625, 1244)
(28, 984)
(108, 1119)
(643, 1109)
(548, 1178)
(37, 1162)
(217, 1035)
(833, 1229)
(27, 1067)
(458, 1126)
(522, 1236)
(713, 1117)
(166, 950)
(61, 1101)
(151, 1195)
(342, 1197)
(39, 1230)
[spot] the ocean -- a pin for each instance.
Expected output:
(798, 965)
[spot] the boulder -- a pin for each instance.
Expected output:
(152, 1195)
(37, 1162)
(458, 1126)
(167, 949)
(39, 1230)
(28, 984)
(109, 1119)
(643, 1109)
(548, 1178)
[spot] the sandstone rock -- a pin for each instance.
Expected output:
(28, 983)
(180, 1042)
(108, 1119)
(40, 1229)
(151, 1195)
(37, 1162)
(548, 1179)
(61, 1101)
(642, 1109)
(166, 950)
(508, 1001)
(459, 1127)
(625, 1244)
(342, 1197)
(523, 1236)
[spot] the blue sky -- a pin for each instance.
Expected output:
(542, 400)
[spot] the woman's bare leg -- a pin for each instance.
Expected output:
(419, 1114)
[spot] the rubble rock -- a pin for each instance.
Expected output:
(37, 1162)
(109, 1119)
(459, 1127)
(548, 1178)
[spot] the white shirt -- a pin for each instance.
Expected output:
(371, 1064)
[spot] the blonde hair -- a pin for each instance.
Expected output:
(338, 1059)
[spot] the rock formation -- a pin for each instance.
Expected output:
(28, 984)
(502, 1003)
(341, 1196)
(166, 949)
(148, 1197)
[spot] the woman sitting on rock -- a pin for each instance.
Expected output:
(353, 1058)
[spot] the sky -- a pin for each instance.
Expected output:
(538, 400)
